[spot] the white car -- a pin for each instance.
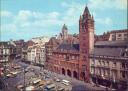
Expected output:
(20, 87)
(10, 75)
(65, 82)
(57, 80)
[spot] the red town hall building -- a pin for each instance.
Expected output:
(72, 59)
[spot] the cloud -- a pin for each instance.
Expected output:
(28, 21)
(24, 15)
(104, 21)
(53, 15)
(108, 4)
(108, 21)
(8, 28)
(64, 4)
(27, 18)
(121, 4)
(72, 13)
(5, 14)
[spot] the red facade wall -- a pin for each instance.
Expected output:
(78, 67)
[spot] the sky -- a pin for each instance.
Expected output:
(25, 19)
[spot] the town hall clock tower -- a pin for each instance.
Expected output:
(86, 39)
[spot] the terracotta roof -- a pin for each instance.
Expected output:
(6, 44)
(53, 41)
(30, 43)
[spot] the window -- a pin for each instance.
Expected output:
(119, 35)
(114, 64)
(84, 51)
(92, 62)
(64, 56)
(92, 70)
(103, 63)
(84, 67)
(100, 71)
(126, 38)
(103, 72)
(123, 65)
(123, 74)
(113, 37)
(73, 57)
(99, 62)
(67, 58)
(107, 63)
(126, 35)
(107, 72)
(82, 25)
(76, 57)
(84, 58)
(1, 51)
(127, 65)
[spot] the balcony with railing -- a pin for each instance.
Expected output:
(124, 67)
(102, 66)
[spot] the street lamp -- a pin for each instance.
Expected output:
(24, 71)
(5, 66)
(24, 77)
(111, 78)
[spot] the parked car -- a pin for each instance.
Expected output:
(17, 67)
(10, 75)
(50, 87)
(14, 73)
(65, 82)
(57, 80)
(30, 88)
(20, 87)
(60, 89)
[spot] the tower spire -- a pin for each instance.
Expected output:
(86, 10)
(80, 17)
(92, 17)
(65, 27)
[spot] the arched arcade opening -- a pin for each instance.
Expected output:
(75, 75)
(63, 71)
(69, 73)
(82, 75)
